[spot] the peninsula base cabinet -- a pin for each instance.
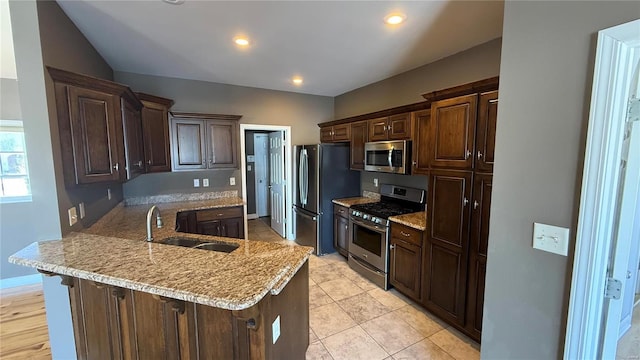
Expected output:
(115, 323)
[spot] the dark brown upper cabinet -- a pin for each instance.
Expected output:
(99, 127)
(155, 131)
(394, 127)
(204, 141)
(421, 142)
(486, 131)
(453, 129)
(133, 143)
(336, 133)
(359, 136)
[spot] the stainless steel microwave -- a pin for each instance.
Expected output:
(388, 156)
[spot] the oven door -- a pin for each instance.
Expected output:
(370, 243)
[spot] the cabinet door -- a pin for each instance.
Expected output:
(326, 134)
(359, 136)
(479, 236)
(405, 267)
(233, 228)
(378, 129)
(447, 243)
(188, 141)
(399, 127)
(221, 144)
(341, 133)
(341, 234)
(421, 142)
(92, 117)
(155, 130)
(453, 129)
(96, 320)
(486, 132)
(186, 222)
(210, 227)
(133, 143)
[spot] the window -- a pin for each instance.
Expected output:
(14, 176)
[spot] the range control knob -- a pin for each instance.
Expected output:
(365, 216)
(375, 219)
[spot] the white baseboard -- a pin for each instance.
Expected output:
(252, 216)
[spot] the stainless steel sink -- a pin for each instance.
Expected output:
(220, 247)
(199, 244)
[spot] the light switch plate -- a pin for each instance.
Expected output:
(232, 181)
(205, 182)
(73, 216)
(553, 239)
(196, 182)
(275, 329)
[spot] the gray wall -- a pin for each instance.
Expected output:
(257, 106)
(9, 100)
(545, 86)
(64, 47)
(477, 63)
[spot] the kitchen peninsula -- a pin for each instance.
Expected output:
(136, 299)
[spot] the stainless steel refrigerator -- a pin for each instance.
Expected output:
(322, 174)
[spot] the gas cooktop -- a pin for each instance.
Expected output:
(394, 200)
(383, 209)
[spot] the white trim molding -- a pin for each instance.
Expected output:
(600, 186)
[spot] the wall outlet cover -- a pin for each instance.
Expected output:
(205, 182)
(73, 216)
(196, 182)
(553, 239)
(232, 180)
(375, 182)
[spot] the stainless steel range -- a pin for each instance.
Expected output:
(369, 238)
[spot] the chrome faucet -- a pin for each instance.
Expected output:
(158, 221)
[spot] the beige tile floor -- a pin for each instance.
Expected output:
(351, 318)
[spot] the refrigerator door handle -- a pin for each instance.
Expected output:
(301, 177)
(305, 174)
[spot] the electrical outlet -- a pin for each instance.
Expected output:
(553, 239)
(73, 216)
(205, 182)
(232, 181)
(81, 209)
(275, 329)
(196, 182)
(108, 193)
(375, 182)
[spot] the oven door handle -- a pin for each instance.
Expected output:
(365, 265)
(376, 228)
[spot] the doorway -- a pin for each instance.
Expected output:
(266, 168)
(609, 200)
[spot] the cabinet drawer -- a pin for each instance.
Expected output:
(406, 234)
(340, 210)
(216, 214)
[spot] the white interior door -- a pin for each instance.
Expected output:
(261, 157)
(277, 182)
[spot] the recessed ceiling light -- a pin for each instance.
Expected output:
(395, 18)
(241, 41)
(297, 80)
(174, 2)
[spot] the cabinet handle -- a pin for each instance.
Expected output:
(149, 162)
(467, 154)
(465, 201)
(493, 101)
(346, 227)
(116, 167)
(479, 155)
(220, 214)
(404, 233)
(475, 204)
(393, 246)
(140, 163)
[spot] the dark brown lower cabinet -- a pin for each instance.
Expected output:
(341, 229)
(405, 264)
(227, 222)
(447, 243)
(479, 237)
(116, 323)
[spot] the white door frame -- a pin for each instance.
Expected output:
(288, 161)
(598, 199)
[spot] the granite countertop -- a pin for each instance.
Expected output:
(348, 202)
(113, 252)
(417, 220)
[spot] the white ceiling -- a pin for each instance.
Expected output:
(336, 46)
